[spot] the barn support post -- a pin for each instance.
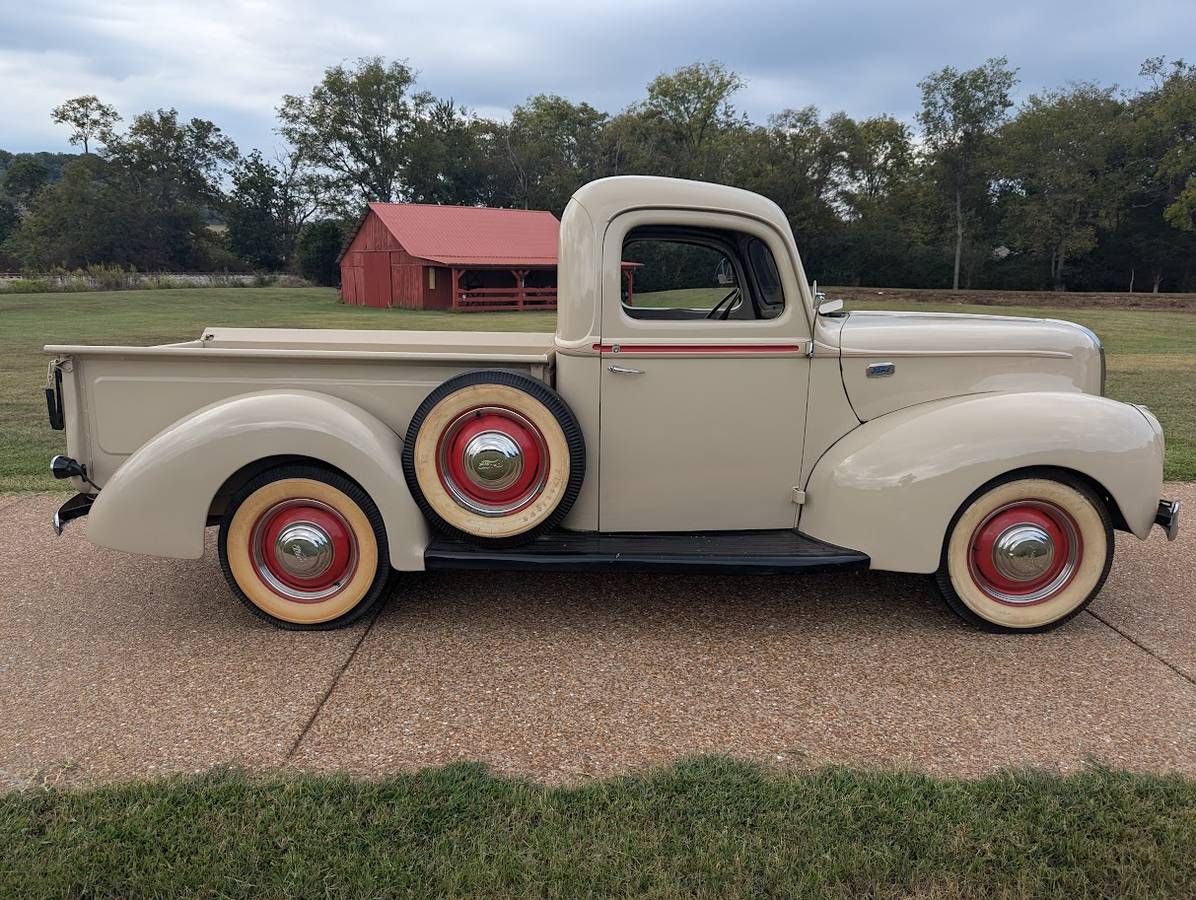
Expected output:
(456, 290)
(520, 287)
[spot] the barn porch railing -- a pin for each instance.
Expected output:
(498, 299)
(495, 299)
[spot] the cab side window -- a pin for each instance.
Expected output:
(698, 274)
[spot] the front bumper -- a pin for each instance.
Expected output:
(75, 508)
(1168, 518)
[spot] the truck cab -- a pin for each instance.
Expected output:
(695, 342)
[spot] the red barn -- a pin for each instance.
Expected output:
(451, 257)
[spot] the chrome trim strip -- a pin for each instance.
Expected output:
(1049, 354)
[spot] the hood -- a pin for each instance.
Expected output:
(892, 360)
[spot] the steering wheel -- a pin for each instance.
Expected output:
(726, 312)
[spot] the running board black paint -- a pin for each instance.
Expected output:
(713, 552)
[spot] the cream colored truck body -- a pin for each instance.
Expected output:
(720, 426)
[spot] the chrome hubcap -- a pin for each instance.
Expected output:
(303, 550)
(493, 460)
(1023, 552)
(308, 555)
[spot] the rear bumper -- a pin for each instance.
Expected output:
(1168, 518)
(75, 508)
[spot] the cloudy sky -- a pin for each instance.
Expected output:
(231, 62)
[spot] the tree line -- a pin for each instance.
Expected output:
(1085, 187)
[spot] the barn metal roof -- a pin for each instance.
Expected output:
(472, 235)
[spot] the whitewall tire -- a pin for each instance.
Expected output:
(494, 457)
(305, 548)
(1027, 552)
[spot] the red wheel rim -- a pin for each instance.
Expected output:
(1025, 552)
(303, 550)
(493, 461)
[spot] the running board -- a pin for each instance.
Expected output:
(714, 552)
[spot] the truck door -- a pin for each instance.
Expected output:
(705, 369)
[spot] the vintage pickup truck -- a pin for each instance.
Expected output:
(698, 410)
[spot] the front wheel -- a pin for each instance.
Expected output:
(305, 548)
(1026, 553)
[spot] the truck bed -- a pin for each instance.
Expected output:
(114, 399)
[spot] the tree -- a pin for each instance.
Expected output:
(696, 100)
(356, 127)
(797, 161)
(10, 219)
(174, 169)
(301, 194)
(88, 119)
(1169, 118)
(1061, 161)
(317, 251)
(961, 112)
(252, 216)
(446, 155)
(549, 149)
(91, 215)
(174, 161)
(268, 205)
(693, 107)
(22, 181)
(146, 202)
(879, 156)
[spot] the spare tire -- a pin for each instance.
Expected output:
(494, 457)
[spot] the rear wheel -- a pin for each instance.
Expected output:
(1027, 553)
(305, 548)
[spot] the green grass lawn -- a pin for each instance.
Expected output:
(703, 827)
(1152, 354)
(682, 298)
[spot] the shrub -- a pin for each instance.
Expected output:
(114, 278)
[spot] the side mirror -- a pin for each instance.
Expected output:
(826, 307)
(822, 306)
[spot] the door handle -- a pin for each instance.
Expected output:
(623, 370)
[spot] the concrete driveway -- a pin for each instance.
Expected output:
(114, 666)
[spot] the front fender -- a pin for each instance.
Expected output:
(890, 487)
(157, 501)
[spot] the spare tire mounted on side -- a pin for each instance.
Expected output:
(494, 457)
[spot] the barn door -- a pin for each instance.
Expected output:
(377, 278)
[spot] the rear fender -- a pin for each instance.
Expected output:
(157, 502)
(890, 487)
